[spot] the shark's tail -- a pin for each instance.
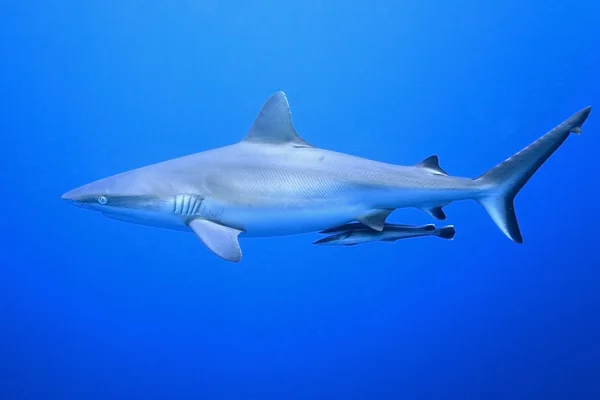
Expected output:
(500, 185)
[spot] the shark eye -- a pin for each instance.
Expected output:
(102, 200)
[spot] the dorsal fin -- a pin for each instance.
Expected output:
(432, 163)
(273, 125)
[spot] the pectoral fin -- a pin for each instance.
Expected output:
(220, 239)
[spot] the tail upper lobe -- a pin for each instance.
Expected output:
(501, 184)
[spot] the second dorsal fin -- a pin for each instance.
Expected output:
(432, 164)
(273, 125)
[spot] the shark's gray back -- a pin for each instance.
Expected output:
(244, 171)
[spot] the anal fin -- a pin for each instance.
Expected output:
(375, 219)
(220, 239)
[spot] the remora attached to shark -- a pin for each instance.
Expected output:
(274, 183)
(357, 233)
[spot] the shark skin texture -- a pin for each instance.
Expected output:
(275, 183)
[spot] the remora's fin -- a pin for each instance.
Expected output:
(432, 164)
(346, 227)
(435, 212)
(500, 185)
(429, 227)
(446, 232)
(274, 125)
(358, 225)
(375, 219)
(221, 240)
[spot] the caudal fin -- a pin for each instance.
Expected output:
(500, 185)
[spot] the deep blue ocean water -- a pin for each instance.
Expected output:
(97, 309)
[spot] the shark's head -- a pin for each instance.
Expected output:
(131, 196)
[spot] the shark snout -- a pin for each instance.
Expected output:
(72, 198)
(87, 192)
(67, 196)
(79, 196)
(73, 195)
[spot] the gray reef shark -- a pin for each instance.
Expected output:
(274, 183)
(357, 233)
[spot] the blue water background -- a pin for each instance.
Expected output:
(96, 309)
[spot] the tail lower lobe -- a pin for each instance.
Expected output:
(500, 185)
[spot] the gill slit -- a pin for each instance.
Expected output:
(186, 204)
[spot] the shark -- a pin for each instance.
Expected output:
(275, 183)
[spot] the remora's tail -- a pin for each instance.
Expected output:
(446, 232)
(500, 185)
